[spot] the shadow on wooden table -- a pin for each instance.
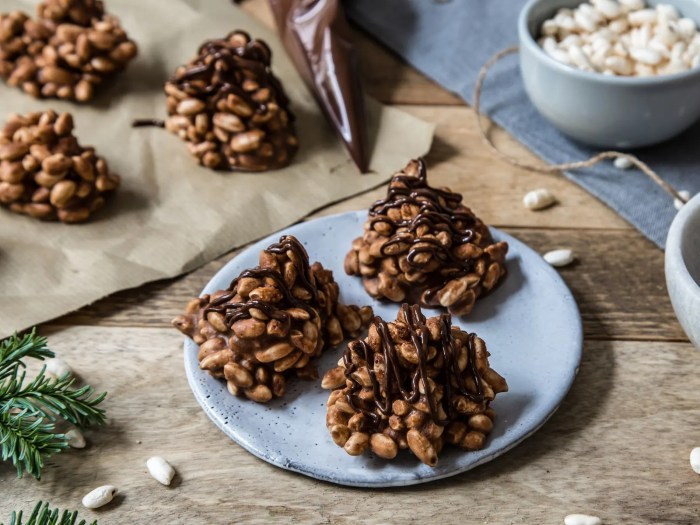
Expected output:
(440, 151)
(579, 409)
(586, 398)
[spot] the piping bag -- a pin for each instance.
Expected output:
(316, 35)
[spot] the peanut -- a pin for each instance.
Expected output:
(473, 440)
(582, 519)
(248, 328)
(538, 199)
(99, 497)
(274, 352)
(340, 434)
(383, 446)
(334, 378)
(229, 122)
(695, 460)
(13, 151)
(559, 258)
(190, 106)
(247, 141)
(215, 360)
(75, 438)
(421, 447)
(58, 368)
(238, 375)
(259, 394)
(62, 192)
(357, 443)
(160, 470)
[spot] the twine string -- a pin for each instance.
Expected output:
(555, 168)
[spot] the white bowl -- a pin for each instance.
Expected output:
(683, 268)
(603, 110)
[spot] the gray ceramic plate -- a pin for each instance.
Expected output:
(530, 323)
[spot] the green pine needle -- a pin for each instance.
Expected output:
(28, 412)
(14, 349)
(25, 439)
(54, 397)
(43, 515)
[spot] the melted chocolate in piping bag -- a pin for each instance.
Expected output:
(317, 38)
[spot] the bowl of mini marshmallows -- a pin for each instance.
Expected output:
(616, 74)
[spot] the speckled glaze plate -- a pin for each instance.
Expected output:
(530, 323)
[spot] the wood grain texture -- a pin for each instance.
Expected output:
(617, 447)
(621, 294)
(494, 189)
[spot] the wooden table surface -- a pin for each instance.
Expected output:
(617, 447)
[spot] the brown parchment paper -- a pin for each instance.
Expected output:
(170, 215)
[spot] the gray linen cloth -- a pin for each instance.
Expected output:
(450, 41)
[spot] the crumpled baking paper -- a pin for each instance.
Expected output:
(171, 215)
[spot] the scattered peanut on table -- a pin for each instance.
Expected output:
(57, 367)
(99, 497)
(622, 163)
(160, 470)
(538, 199)
(582, 519)
(75, 438)
(679, 203)
(695, 459)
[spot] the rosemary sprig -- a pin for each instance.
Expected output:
(44, 515)
(26, 440)
(28, 411)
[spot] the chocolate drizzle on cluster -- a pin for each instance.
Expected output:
(399, 383)
(221, 66)
(439, 211)
(413, 383)
(423, 245)
(236, 311)
(439, 208)
(230, 108)
(271, 322)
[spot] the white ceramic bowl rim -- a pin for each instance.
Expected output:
(674, 245)
(527, 39)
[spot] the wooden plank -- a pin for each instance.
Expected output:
(492, 187)
(459, 151)
(617, 283)
(617, 447)
(617, 280)
(604, 452)
(459, 158)
(388, 78)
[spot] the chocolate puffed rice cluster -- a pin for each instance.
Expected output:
(230, 108)
(413, 383)
(270, 322)
(422, 245)
(46, 174)
(70, 49)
